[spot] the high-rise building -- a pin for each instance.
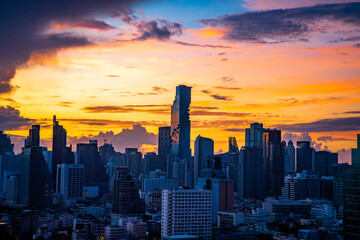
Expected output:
(70, 181)
(186, 212)
(323, 162)
(58, 147)
(36, 185)
(251, 170)
(149, 164)
(164, 147)
(304, 156)
(222, 192)
(204, 150)
(5, 144)
(12, 181)
(133, 160)
(125, 194)
(233, 163)
(301, 186)
(289, 158)
(355, 154)
(88, 155)
(33, 140)
(254, 135)
(352, 195)
(273, 153)
(180, 123)
(251, 173)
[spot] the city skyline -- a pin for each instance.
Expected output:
(121, 77)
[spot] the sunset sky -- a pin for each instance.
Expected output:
(108, 69)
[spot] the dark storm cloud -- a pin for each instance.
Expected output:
(234, 129)
(201, 45)
(324, 125)
(126, 15)
(89, 23)
(10, 118)
(158, 29)
(357, 45)
(331, 139)
(217, 96)
(22, 26)
(352, 112)
(283, 25)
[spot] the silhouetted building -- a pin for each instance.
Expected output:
(58, 147)
(133, 160)
(273, 153)
(355, 154)
(36, 186)
(107, 152)
(150, 161)
(125, 194)
(324, 161)
(254, 135)
(251, 169)
(33, 140)
(70, 181)
(5, 144)
(301, 186)
(352, 196)
(70, 155)
(304, 156)
(251, 173)
(233, 163)
(94, 171)
(289, 158)
(203, 152)
(180, 123)
(164, 147)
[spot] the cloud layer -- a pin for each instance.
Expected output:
(283, 25)
(24, 24)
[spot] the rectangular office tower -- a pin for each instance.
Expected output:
(164, 147)
(204, 150)
(58, 147)
(273, 153)
(304, 156)
(186, 212)
(70, 181)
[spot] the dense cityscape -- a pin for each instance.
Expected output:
(264, 188)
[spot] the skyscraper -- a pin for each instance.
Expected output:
(251, 170)
(164, 147)
(94, 170)
(36, 183)
(254, 135)
(222, 191)
(36, 186)
(204, 149)
(186, 212)
(323, 162)
(33, 140)
(70, 181)
(180, 123)
(233, 163)
(5, 144)
(125, 194)
(289, 158)
(304, 156)
(355, 154)
(58, 147)
(352, 195)
(133, 160)
(273, 153)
